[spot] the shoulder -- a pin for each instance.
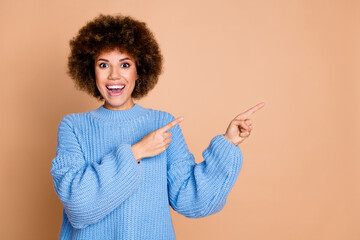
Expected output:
(73, 119)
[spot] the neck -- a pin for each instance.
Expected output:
(129, 104)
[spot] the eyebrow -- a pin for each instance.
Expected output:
(105, 60)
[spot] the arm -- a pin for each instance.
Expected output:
(198, 190)
(89, 192)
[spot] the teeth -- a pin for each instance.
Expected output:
(116, 87)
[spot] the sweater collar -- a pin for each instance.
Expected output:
(108, 115)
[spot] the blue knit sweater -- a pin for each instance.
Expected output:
(107, 194)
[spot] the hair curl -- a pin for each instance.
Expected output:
(107, 32)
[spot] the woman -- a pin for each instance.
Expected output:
(119, 167)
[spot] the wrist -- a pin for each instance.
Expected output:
(229, 139)
(137, 154)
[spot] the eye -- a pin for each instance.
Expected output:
(103, 65)
(125, 65)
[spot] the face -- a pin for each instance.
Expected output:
(115, 74)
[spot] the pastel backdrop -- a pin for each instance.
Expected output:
(300, 177)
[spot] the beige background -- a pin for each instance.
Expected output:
(301, 172)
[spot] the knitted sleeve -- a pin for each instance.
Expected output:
(89, 192)
(199, 190)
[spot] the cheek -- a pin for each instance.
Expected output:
(132, 77)
(135, 75)
(99, 78)
(100, 87)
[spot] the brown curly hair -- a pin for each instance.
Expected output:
(107, 32)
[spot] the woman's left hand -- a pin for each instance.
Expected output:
(240, 127)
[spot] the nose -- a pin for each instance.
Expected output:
(114, 74)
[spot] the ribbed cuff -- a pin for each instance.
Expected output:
(228, 157)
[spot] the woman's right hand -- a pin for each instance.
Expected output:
(154, 142)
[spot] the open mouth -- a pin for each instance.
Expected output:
(115, 88)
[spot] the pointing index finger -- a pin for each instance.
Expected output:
(171, 124)
(250, 111)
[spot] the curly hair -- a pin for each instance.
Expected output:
(107, 32)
